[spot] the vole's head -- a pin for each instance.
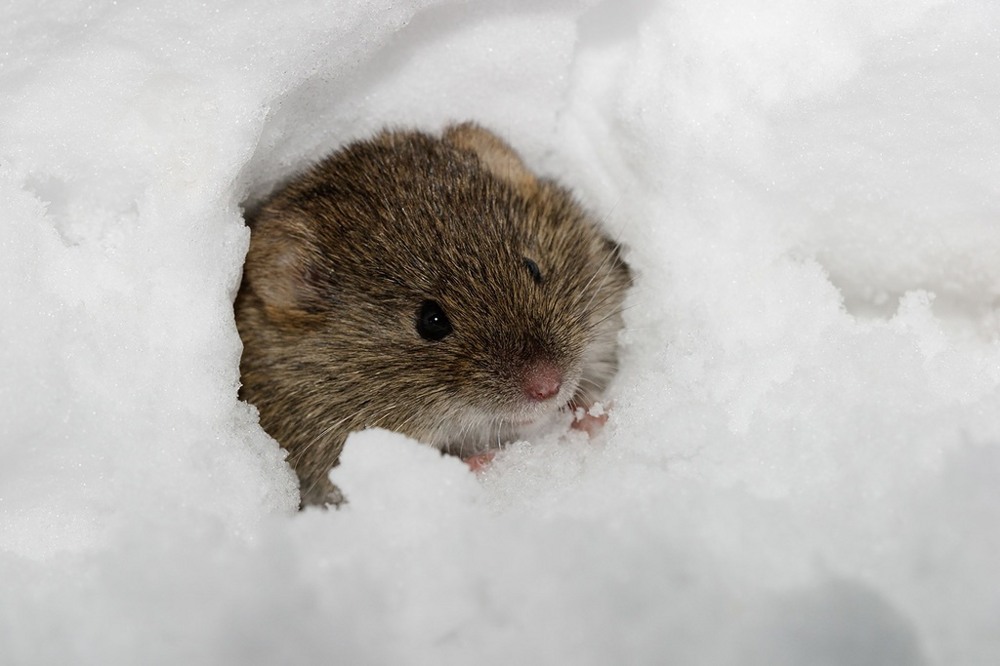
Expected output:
(428, 285)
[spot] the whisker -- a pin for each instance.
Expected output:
(322, 435)
(616, 313)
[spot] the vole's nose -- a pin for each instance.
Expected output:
(542, 380)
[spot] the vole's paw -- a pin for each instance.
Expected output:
(480, 462)
(590, 419)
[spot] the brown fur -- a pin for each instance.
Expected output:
(341, 260)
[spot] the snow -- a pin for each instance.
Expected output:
(803, 442)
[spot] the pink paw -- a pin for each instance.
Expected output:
(480, 461)
(590, 420)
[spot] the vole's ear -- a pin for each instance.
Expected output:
(284, 267)
(494, 154)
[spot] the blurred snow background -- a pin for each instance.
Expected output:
(803, 462)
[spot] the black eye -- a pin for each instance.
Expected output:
(432, 322)
(532, 267)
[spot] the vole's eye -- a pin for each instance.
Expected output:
(532, 267)
(432, 322)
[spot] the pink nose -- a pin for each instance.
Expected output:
(541, 382)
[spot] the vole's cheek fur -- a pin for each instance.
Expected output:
(433, 286)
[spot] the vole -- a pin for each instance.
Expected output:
(431, 285)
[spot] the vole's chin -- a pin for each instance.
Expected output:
(482, 430)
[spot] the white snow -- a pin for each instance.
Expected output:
(802, 459)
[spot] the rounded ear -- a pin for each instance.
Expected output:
(283, 266)
(494, 154)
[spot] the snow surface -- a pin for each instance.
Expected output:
(802, 461)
